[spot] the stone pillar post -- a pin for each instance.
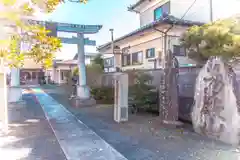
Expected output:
(15, 91)
(168, 91)
(59, 76)
(3, 98)
(15, 77)
(31, 74)
(36, 76)
(53, 76)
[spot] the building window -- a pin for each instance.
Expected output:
(158, 13)
(162, 10)
(109, 62)
(150, 53)
(137, 58)
(126, 60)
(179, 50)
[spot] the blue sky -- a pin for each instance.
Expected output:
(109, 13)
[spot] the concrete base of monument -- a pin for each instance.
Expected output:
(15, 97)
(3, 128)
(83, 91)
(78, 102)
(82, 99)
(14, 94)
(18, 104)
(173, 123)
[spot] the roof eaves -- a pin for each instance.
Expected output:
(168, 19)
(132, 7)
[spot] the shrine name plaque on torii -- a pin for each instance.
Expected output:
(83, 93)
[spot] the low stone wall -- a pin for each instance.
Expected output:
(186, 79)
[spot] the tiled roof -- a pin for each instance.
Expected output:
(67, 62)
(136, 4)
(167, 19)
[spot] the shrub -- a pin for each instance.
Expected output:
(142, 95)
(103, 94)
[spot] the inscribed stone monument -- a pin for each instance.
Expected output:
(216, 109)
(168, 91)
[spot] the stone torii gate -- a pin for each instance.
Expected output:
(82, 90)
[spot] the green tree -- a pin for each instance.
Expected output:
(97, 65)
(99, 60)
(75, 71)
(41, 46)
(93, 68)
(142, 93)
(220, 38)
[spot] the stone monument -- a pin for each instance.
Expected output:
(3, 98)
(216, 109)
(120, 97)
(168, 91)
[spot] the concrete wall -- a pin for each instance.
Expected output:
(200, 11)
(147, 11)
(153, 40)
(186, 79)
(55, 73)
(31, 64)
(61, 76)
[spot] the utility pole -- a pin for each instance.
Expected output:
(211, 10)
(111, 30)
(117, 56)
(112, 46)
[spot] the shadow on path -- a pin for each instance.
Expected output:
(30, 136)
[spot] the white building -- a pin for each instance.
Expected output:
(62, 68)
(197, 10)
(144, 47)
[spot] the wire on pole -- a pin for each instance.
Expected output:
(183, 15)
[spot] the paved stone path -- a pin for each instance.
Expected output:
(75, 138)
(30, 137)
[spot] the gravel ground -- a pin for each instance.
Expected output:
(144, 138)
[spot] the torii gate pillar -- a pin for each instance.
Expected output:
(82, 90)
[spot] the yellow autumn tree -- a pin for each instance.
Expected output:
(16, 29)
